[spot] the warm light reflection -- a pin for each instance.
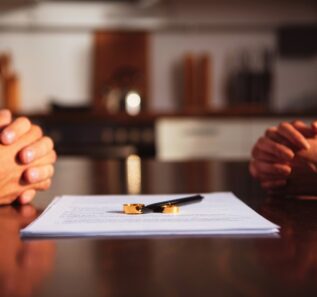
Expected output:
(133, 171)
(133, 103)
(24, 265)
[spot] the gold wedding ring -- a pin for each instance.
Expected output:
(170, 209)
(135, 208)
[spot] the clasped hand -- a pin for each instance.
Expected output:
(26, 158)
(285, 158)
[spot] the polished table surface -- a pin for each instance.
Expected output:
(285, 265)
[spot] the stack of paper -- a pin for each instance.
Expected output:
(79, 216)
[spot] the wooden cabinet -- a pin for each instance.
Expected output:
(168, 137)
(103, 136)
(120, 63)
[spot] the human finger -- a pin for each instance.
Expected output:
(272, 170)
(33, 135)
(5, 118)
(261, 155)
(27, 196)
(38, 174)
(49, 159)
(42, 186)
(272, 133)
(36, 150)
(304, 129)
(303, 165)
(293, 136)
(268, 172)
(276, 149)
(15, 130)
(252, 169)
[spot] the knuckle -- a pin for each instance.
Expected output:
(261, 141)
(54, 156)
(37, 130)
(253, 171)
(284, 125)
(258, 167)
(47, 184)
(49, 172)
(46, 145)
(49, 142)
(24, 120)
(256, 153)
(268, 131)
(271, 132)
(44, 185)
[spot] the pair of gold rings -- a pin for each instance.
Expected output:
(138, 208)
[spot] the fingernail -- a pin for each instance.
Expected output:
(8, 137)
(28, 156)
(33, 175)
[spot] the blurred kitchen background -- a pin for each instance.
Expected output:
(172, 79)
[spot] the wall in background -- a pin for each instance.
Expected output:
(224, 48)
(296, 84)
(58, 65)
(51, 66)
(51, 44)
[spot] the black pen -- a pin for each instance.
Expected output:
(159, 206)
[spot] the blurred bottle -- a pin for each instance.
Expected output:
(238, 85)
(5, 63)
(10, 88)
(12, 93)
(249, 84)
(189, 82)
(197, 84)
(204, 82)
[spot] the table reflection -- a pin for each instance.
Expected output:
(294, 258)
(285, 265)
(24, 266)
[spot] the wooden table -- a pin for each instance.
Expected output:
(183, 266)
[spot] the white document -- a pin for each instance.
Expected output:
(80, 216)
